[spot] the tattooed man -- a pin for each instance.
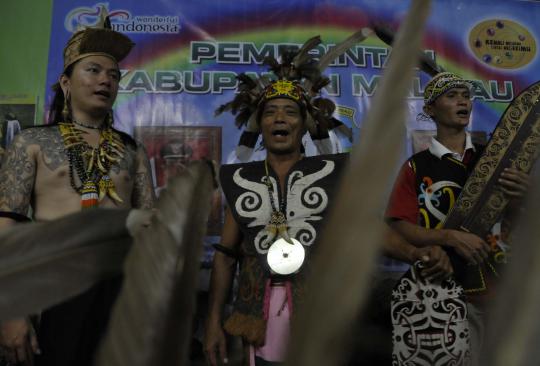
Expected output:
(78, 161)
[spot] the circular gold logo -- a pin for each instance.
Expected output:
(502, 43)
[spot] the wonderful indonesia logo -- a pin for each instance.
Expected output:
(121, 20)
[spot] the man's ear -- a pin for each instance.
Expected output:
(428, 109)
(65, 84)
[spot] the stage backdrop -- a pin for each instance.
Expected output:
(188, 53)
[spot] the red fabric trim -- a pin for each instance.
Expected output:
(469, 153)
(403, 202)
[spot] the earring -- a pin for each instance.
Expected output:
(65, 109)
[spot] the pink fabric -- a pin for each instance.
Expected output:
(288, 287)
(277, 327)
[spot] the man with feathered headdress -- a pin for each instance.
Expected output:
(276, 206)
(78, 161)
(298, 68)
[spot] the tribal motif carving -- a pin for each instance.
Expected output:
(429, 320)
(515, 143)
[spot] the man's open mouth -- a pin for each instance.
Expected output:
(463, 113)
(280, 133)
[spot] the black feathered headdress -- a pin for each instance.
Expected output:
(298, 76)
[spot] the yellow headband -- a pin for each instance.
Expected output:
(443, 82)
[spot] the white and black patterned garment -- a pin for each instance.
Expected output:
(429, 321)
(305, 200)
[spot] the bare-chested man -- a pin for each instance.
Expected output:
(76, 162)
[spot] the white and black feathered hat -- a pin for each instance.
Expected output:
(298, 76)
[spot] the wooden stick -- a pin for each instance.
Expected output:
(151, 320)
(513, 329)
(349, 246)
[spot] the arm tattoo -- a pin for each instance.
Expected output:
(50, 144)
(52, 147)
(17, 176)
(143, 190)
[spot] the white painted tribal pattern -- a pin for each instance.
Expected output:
(430, 326)
(431, 194)
(303, 205)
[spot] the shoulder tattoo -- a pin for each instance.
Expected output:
(50, 143)
(17, 175)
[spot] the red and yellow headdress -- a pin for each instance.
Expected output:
(298, 76)
(283, 89)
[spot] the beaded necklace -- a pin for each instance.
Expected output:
(286, 255)
(278, 221)
(87, 126)
(92, 165)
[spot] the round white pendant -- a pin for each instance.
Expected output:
(285, 258)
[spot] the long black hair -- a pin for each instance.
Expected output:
(57, 105)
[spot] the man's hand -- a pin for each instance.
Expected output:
(215, 344)
(514, 183)
(437, 266)
(18, 340)
(469, 246)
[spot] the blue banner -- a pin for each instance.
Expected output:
(188, 54)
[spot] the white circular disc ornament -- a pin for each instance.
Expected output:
(285, 258)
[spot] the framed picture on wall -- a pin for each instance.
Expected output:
(16, 113)
(171, 148)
